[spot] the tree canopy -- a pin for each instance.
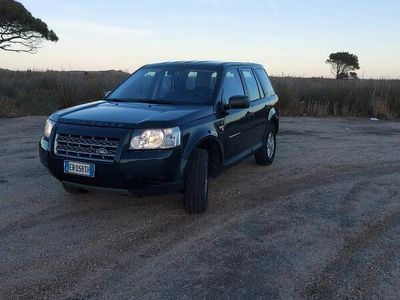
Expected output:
(343, 64)
(19, 30)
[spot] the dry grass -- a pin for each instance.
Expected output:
(339, 98)
(34, 93)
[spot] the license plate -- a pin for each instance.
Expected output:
(78, 168)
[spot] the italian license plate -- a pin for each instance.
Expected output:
(78, 168)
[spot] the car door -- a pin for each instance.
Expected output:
(270, 95)
(235, 121)
(257, 115)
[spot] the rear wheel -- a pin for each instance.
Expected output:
(73, 190)
(266, 154)
(196, 183)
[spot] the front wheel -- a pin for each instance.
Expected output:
(196, 183)
(266, 154)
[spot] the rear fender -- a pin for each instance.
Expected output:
(274, 117)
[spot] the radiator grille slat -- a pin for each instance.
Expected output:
(88, 147)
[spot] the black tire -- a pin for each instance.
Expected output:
(74, 190)
(196, 183)
(263, 156)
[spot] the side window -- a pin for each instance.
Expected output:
(251, 83)
(265, 82)
(260, 88)
(232, 85)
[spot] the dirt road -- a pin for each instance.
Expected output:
(323, 221)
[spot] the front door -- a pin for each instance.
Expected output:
(236, 121)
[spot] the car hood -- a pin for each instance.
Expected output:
(131, 114)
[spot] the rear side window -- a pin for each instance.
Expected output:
(265, 82)
(232, 85)
(251, 83)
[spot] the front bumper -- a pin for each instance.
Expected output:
(141, 172)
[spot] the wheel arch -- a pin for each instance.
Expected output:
(212, 145)
(273, 118)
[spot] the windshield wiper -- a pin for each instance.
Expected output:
(157, 101)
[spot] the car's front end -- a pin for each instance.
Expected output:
(136, 160)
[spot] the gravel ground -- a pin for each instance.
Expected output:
(322, 222)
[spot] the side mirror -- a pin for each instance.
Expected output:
(236, 102)
(107, 93)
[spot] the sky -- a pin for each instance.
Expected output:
(289, 37)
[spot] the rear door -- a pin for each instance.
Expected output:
(257, 115)
(270, 96)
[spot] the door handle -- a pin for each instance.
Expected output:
(220, 125)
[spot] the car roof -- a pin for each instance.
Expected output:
(202, 64)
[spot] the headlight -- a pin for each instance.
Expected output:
(48, 128)
(156, 139)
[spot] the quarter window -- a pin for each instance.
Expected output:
(265, 82)
(251, 83)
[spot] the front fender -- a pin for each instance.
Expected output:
(194, 138)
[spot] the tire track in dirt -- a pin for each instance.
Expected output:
(341, 270)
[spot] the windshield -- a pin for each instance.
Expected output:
(164, 85)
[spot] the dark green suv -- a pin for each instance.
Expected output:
(167, 128)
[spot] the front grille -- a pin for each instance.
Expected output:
(88, 147)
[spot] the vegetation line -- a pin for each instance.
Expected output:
(41, 93)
